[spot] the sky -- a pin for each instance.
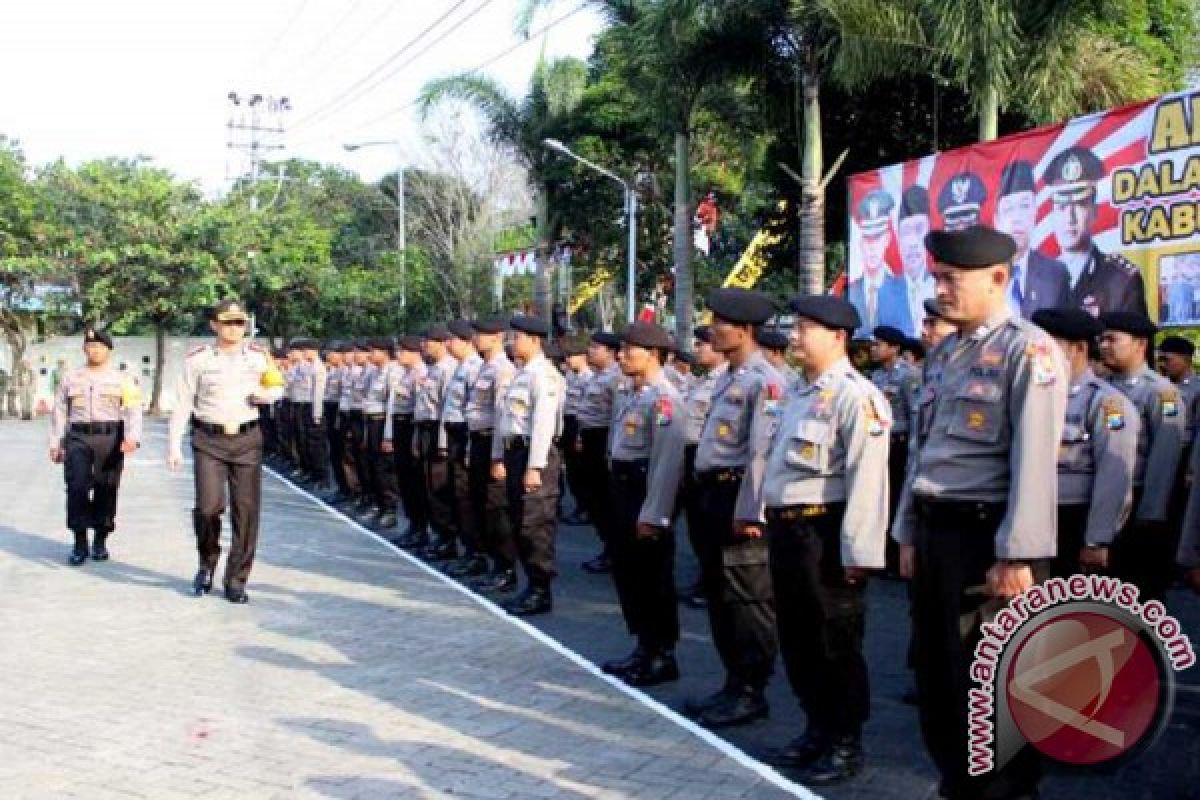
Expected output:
(87, 79)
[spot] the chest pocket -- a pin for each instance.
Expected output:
(1075, 449)
(728, 423)
(635, 432)
(978, 414)
(518, 400)
(808, 446)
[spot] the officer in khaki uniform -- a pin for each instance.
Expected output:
(1141, 553)
(457, 438)
(1175, 354)
(730, 460)
(524, 455)
(432, 454)
(96, 420)
(826, 498)
(647, 467)
(400, 436)
(595, 416)
(1098, 452)
(218, 391)
(977, 517)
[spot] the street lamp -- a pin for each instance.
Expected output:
(630, 210)
(400, 232)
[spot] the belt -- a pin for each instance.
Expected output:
(721, 474)
(95, 427)
(516, 442)
(798, 511)
(976, 508)
(301, 403)
(227, 430)
(483, 433)
(899, 435)
(402, 417)
(354, 412)
(375, 415)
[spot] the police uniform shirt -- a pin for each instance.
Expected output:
(745, 408)
(1189, 387)
(1160, 441)
(699, 399)
(532, 407)
(358, 389)
(301, 388)
(576, 386)
(682, 381)
(485, 395)
(350, 374)
(432, 389)
(215, 387)
(402, 393)
(649, 427)
(104, 395)
(1097, 456)
(333, 384)
(989, 420)
(320, 377)
(375, 397)
(454, 406)
(599, 398)
(832, 446)
(898, 386)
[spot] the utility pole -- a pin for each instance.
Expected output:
(255, 129)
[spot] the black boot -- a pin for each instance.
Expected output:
(660, 667)
(499, 581)
(532, 601)
(745, 707)
(79, 553)
(839, 764)
(202, 583)
(599, 565)
(387, 520)
(469, 566)
(801, 752)
(99, 550)
(620, 666)
(412, 539)
(443, 549)
(697, 706)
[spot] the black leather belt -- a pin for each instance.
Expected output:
(516, 442)
(95, 428)
(485, 433)
(973, 508)
(798, 511)
(720, 474)
(221, 430)
(375, 415)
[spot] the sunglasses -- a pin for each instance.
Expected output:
(240, 323)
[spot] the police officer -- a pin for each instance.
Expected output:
(647, 466)
(730, 459)
(360, 380)
(1141, 553)
(490, 494)
(826, 497)
(678, 369)
(1175, 356)
(401, 437)
(431, 444)
(349, 420)
(976, 516)
(269, 417)
(314, 425)
(217, 392)
(523, 454)
(95, 422)
(331, 416)
(1098, 451)
(381, 479)
(774, 344)
(595, 415)
(577, 374)
(455, 434)
(286, 422)
(897, 379)
(935, 327)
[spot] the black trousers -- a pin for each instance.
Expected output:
(897, 466)
(230, 464)
(380, 472)
(737, 583)
(356, 441)
(435, 471)
(92, 466)
(572, 456)
(593, 469)
(409, 478)
(1143, 553)
(468, 505)
(533, 516)
(318, 445)
(643, 567)
(1072, 532)
(496, 533)
(267, 420)
(820, 619)
(955, 547)
(335, 445)
(302, 414)
(284, 418)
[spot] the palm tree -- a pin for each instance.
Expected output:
(521, 124)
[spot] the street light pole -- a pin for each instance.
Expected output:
(631, 214)
(401, 243)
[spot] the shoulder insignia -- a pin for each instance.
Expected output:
(878, 419)
(1170, 402)
(991, 358)
(1114, 413)
(1042, 362)
(200, 348)
(664, 410)
(772, 394)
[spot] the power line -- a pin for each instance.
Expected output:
(270, 50)
(339, 102)
(373, 25)
(327, 36)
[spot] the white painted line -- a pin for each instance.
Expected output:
(764, 771)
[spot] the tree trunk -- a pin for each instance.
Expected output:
(684, 286)
(160, 362)
(812, 195)
(989, 113)
(541, 280)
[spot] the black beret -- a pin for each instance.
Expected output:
(410, 342)
(1017, 176)
(1177, 345)
(889, 335)
(931, 308)
(531, 325)
(1073, 173)
(975, 247)
(491, 325)
(914, 346)
(873, 212)
(229, 309)
(385, 343)
(961, 199)
(1072, 324)
(772, 339)
(462, 329)
(362, 345)
(279, 353)
(553, 351)
(574, 347)
(1131, 322)
(647, 334)
(437, 333)
(296, 343)
(101, 337)
(740, 306)
(607, 339)
(830, 311)
(685, 357)
(703, 333)
(345, 347)
(914, 201)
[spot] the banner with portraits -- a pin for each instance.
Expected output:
(1105, 211)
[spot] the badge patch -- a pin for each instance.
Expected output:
(1044, 370)
(723, 430)
(630, 426)
(976, 420)
(1114, 418)
(808, 452)
(1170, 405)
(665, 411)
(991, 358)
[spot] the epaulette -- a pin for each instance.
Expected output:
(197, 350)
(1125, 264)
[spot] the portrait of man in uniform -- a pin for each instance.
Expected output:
(880, 295)
(960, 201)
(1100, 282)
(911, 228)
(1037, 281)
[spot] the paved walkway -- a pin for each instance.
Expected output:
(353, 673)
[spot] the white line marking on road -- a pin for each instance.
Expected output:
(764, 771)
